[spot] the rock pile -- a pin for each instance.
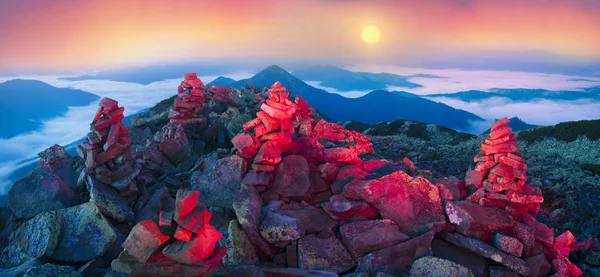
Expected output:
(497, 221)
(180, 243)
(224, 95)
(189, 101)
(111, 166)
(500, 175)
(322, 208)
(314, 207)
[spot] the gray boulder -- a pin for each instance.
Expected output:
(38, 192)
(85, 234)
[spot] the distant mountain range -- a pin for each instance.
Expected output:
(516, 124)
(344, 80)
(155, 73)
(25, 103)
(222, 82)
(523, 95)
(374, 107)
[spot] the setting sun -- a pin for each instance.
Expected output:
(371, 34)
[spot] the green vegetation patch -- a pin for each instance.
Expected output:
(418, 130)
(566, 131)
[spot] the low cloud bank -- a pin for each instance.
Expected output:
(74, 124)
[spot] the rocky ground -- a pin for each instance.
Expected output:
(282, 193)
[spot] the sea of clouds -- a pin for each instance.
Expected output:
(21, 150)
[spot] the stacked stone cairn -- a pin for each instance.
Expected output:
(171, 146)
(499, 182)
(189, 101)
(500, 175)
(110, 163)
(316, 213)
(180, 243)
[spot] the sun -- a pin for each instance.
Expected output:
(371, 34)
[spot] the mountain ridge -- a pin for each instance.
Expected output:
(383, 105)
(42, 101)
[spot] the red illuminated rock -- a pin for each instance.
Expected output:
(246, 144)
(182, 234)
(185, 202)
(143, 240)
(470, 217)
(268, 154)
(195, 251)
(224, 95)
(196, 220)
(329, 171)
(189, 102)
(292, 178)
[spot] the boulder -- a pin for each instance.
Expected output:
(196, 220)
(185, 202)
(246, 144)
(38, 236)
(219, 181)
(415, 207)
(314, 220)
(438, 267)
(396, 260)
(247, 206)
(109, 201)
(240, 250)
(159, 265)
(538, 266)
(379, 236)
(57, 161)
(508, 244)
(143, 240)
(153, 209)
(20, 270)
(78, 225)
(470, 217)
(38, 192)
(292, 177)
(445, 250)
(200, 248)
(277, 227)
(50, 270)
(486, 250)
(175, 151)
(14, 255)
(323, 254)
(268, 154)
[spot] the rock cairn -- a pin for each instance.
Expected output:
(500, 214)
(180, 243)
(500, 175)
(189, 101)
(316, 197)
(108, 156)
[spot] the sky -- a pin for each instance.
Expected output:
(116, 33)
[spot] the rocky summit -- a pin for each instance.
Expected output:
(223, 181)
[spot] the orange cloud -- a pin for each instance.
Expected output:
(68, 33)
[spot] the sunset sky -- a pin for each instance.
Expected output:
(113, 33)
